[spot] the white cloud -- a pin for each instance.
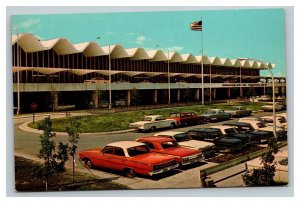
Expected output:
(140, 40)
(175, 48)
(30, 22)
(39, 37)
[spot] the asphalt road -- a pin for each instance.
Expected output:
(27, 143)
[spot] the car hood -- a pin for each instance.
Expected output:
(152, 158)
(180, 151)
(194, 144)
(270, 129)
(227, 140)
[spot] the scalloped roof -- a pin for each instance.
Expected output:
(30, 43)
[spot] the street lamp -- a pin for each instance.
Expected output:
(109, 75)
(18, 73)
(273, 90)
(169, 83)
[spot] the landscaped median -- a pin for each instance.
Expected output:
(120, 121)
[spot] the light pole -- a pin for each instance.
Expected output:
(18, 73)
(273, 90)
(169, 85)
(109, 76)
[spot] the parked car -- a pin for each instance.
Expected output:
(216, 115)
(282, 168)
(186, 118)
(284, 115)
(269, 106)
(238, 111)
(164, 145)
(131, 157)
(223, 143)
(260, 125)
(152, 123)
(280, 121)
(231, 131)
(257, 135)
(184, 140)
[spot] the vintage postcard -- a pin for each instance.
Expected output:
(149, 100)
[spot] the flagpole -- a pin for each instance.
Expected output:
(202, 88)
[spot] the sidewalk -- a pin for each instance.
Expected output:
(25, 127)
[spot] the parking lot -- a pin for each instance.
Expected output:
(178, 178)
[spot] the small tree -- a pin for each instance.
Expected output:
(73, 130)
(263, 176)
(54, 162)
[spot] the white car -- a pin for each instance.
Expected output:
(269, 106)
(280, 121)
(259, 124)
(152, 123)
(282, 168)
(185, 140)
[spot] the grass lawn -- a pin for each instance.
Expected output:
(26, 182)
(121, 120)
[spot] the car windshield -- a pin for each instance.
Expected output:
(231, 131)
(147, 119)
(182, 137)
(211, 111)
(282, 120)
(283, 162)
(138, 150)
(173, 115)
(166, 145)
(261, 124)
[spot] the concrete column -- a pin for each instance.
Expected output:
(54, 99)
(241, 91)
(197, 94)
(155, 96)
(128, 97)
(178, 95)
(283, 90)
(214, 93)
(228, 93)
(95, 99)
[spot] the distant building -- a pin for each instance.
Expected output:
(56, 72)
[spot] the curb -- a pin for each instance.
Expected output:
(25, 127)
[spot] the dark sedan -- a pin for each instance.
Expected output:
(223, 143)
(246, 128)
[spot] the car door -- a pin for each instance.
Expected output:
(106, 159)
(118, 159)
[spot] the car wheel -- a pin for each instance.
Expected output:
(172, 125)
(130, 173)
(88, 164)
(153, 128)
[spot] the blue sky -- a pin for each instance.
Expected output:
(248, 33)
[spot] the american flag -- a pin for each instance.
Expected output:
(196, 26)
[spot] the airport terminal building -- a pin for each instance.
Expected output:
(56, 73)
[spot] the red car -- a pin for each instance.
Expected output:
(165, 145)
(186, 118)
(131, 157)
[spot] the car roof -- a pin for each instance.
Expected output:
(156, 139)
(221, 127)
(171, 133)
(237, 124)
(204, 130)
(125, 144)
(153, 116)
